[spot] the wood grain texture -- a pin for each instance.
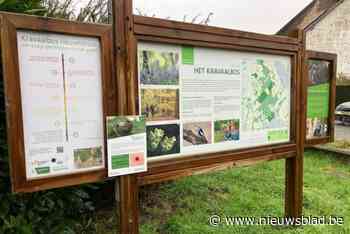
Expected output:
(125, 58)
(294, 166)
(186, 163)
(175, 25)
(148, 30)
(209, 168)
(120, 54)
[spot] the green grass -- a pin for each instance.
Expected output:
(340, 144)
(184, 206)
(219, 136)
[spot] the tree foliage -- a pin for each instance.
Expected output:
(95, 11)
(22, 6)
(197, 19)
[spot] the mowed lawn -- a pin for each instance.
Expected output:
(184, 206)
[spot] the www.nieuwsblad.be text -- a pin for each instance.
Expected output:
(222, 220)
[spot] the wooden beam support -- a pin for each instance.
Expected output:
(294, 166)
(128, 205)
(294, 187)
(125, 58)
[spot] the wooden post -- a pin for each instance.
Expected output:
(294, 165)
(128, 205)
(294, 187)
(126, 187)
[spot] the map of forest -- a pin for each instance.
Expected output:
(266, 95)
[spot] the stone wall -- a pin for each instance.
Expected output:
(307, 15)
(332, 34)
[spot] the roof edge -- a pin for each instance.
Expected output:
(284, 30)
(313, 23)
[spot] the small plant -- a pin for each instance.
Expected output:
(155, 138)
(168, 143)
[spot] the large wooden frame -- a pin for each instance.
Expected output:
(154, 30)
(332, 59)
(121, 97)
(10, 23)
(130, 29)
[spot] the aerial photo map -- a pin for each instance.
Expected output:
(266, 94)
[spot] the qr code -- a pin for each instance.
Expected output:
(59, 149)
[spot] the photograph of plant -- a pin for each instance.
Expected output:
(87, 158)
(163, 140)
(160, 104)
(119, 126)
(226, 130)
(199, 133)
(159, 68)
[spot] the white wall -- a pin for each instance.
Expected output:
(332, 34)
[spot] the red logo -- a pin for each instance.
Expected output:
(137, 159)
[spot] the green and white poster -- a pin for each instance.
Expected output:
(201, 100)
(318, 99)
(126, 145)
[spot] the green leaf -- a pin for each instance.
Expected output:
(82, 194)
(4, 208)
(35, 11)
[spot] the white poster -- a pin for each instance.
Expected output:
(200, 100)
(61, 91)
(126, 145)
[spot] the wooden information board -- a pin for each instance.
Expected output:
(212, 98)
(135, 36)
(238, 52)
(56, 75)
(321, 76)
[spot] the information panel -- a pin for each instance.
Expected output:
(61, 94)
(126, 145)
(201, 100)
(318, 98)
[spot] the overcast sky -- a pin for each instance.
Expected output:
(263, 16)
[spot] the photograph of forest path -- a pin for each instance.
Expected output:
(160, 104)
(159, 68)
